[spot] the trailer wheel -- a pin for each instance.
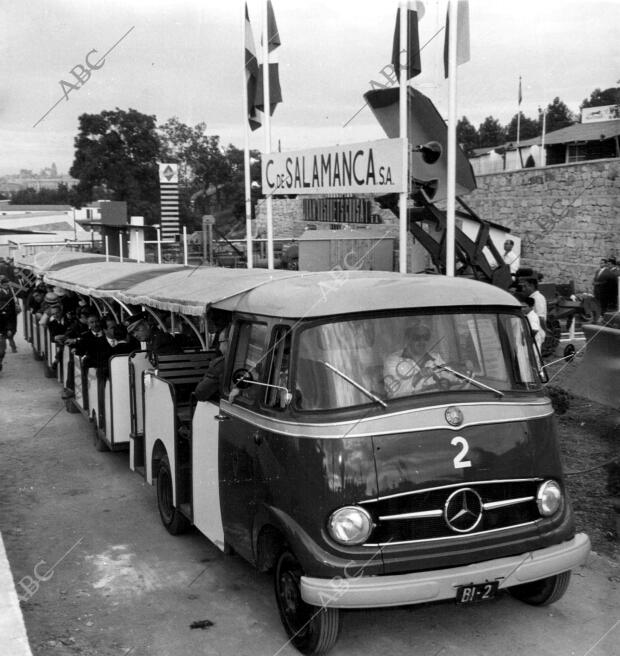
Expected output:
(543, 592)
(98, 441)
(311, 629)
(71, 407)
(175, 522)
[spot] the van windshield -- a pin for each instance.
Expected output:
(392, 357)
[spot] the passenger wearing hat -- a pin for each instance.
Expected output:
(415, 367)
(8, 317)
(158, 342)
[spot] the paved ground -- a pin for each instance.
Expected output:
(99, 576)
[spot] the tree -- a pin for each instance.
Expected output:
(491, 133)
(528, 128)
(117, 151)
(211, 178)
(558, 115)
(466, 135)
(600, 98)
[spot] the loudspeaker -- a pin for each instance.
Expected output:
(428, 138)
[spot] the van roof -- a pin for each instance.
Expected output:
(297, 294)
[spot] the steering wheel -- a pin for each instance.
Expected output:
(242, 378)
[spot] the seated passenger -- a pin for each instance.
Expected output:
(158, 342)
(414, 368)
(210, 387)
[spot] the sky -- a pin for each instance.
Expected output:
(183, 58)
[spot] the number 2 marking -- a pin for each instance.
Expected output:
(459, 462)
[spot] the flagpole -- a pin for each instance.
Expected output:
(402, 104)
(451, 172)
(267, 126)
(246, 149)
(543, 152)
(519, 116)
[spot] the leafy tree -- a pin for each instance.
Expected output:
(528, 128)
(466, 135)
(491, 133)
(558, 115)
(117, 151)
(600, 98)
(211, 178)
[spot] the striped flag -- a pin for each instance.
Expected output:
(462, 35)
(414, 67)
(273, 36)
(520, 94)
(251, 74)
(275, 92)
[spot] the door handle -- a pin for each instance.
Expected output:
(222, 417)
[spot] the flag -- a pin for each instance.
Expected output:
(251, 74)
(462, 35)
(273, 36)
(520, 94)
(414, 67)
(275, 93)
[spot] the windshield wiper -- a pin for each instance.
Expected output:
(463, 376)
(361, 388)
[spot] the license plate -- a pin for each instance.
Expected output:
(468, 594)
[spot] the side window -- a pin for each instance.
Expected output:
(249, 356)
(279, 359)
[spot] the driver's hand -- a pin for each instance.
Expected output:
(234, 393)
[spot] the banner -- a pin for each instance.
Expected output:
(372, 167)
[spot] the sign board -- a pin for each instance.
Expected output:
(168, 172)
(604, 113)
(372, 167)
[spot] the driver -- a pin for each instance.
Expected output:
(415, 367)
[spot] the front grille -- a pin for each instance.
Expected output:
(504, 504)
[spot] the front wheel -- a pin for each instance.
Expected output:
(543, 592)
(311, 629)
(175, 522)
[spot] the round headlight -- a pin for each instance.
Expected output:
(549, 498)
(350, 525)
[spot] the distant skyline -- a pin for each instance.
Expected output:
(184, 59)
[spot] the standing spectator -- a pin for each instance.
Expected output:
(511, 258)
(608, 286)
(8, 316)
(530, 288)
(534, 321)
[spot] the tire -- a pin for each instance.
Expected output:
(311, 629)
(544, 592)
(569, 353)
(98, 441)
(175, 522)
(71, 407)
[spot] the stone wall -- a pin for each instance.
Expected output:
(568, 216)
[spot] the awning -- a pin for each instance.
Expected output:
(102, 279)
(193, 290)
(57, 259)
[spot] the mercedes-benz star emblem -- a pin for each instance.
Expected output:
(463, 510)
(454, 416)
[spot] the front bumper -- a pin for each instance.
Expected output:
(423, 587)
